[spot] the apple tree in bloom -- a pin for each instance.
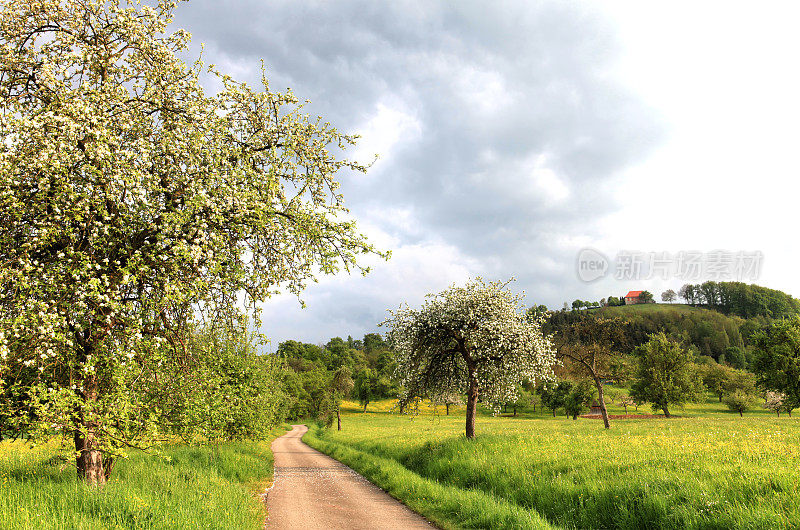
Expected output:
(133, 205)
(472, 340)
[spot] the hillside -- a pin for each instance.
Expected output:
(725, 338)
(627, 310)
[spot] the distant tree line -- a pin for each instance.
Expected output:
(317, 375)
(744, 300)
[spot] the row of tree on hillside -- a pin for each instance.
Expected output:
(726, 339)
(737, 298)
(742, 299)
(644, 297)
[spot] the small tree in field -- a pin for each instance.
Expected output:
(365, 386)
(774, 401)
(472, 339)
(666, 375)
(133, 204)
(448, 400)
(579, 399)
(524, 398)
(669, 296)
(627, 401)
(341, 385)
(591, 347)
(777, 361)
(717, 379)
(739, 401)
(554, 396)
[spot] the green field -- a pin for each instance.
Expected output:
(196, 487)
(706, 469)
(626, 310)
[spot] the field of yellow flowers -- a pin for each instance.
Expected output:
(707, 469)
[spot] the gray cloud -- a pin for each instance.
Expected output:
(517, 132)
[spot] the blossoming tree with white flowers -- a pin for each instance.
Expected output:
(472, 339)
(133, 205)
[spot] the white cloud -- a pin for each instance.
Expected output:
(354, 304)
(552, 188)
(389, 126)
(727, 176)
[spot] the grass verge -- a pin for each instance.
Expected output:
(446, 505)
(196, 487)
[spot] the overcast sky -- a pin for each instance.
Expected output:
(512, 135)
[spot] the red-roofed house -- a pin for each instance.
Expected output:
(632, 297)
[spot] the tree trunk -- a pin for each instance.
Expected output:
(365, 407)
(515, 410)
(554, 412)
(447, 409)
(89, 461)
(666, 411)
(601, 398)
(626, 408)
(338, 420)
(472, 405)
(740, 414)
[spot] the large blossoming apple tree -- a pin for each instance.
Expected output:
(133, 205)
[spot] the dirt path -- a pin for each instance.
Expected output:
(312, 490)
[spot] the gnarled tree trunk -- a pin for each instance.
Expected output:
(90, 460)
(472, 405)
(602, 400)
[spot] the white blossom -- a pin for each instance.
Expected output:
(469, 337)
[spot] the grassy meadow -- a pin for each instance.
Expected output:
(194, 487)
(708, 468)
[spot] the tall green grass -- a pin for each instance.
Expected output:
(699, 471)
(196, 487)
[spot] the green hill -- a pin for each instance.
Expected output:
(725, 338)
(627, 310)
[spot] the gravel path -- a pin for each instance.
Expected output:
(312, 490)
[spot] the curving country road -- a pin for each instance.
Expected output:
(312, 490)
